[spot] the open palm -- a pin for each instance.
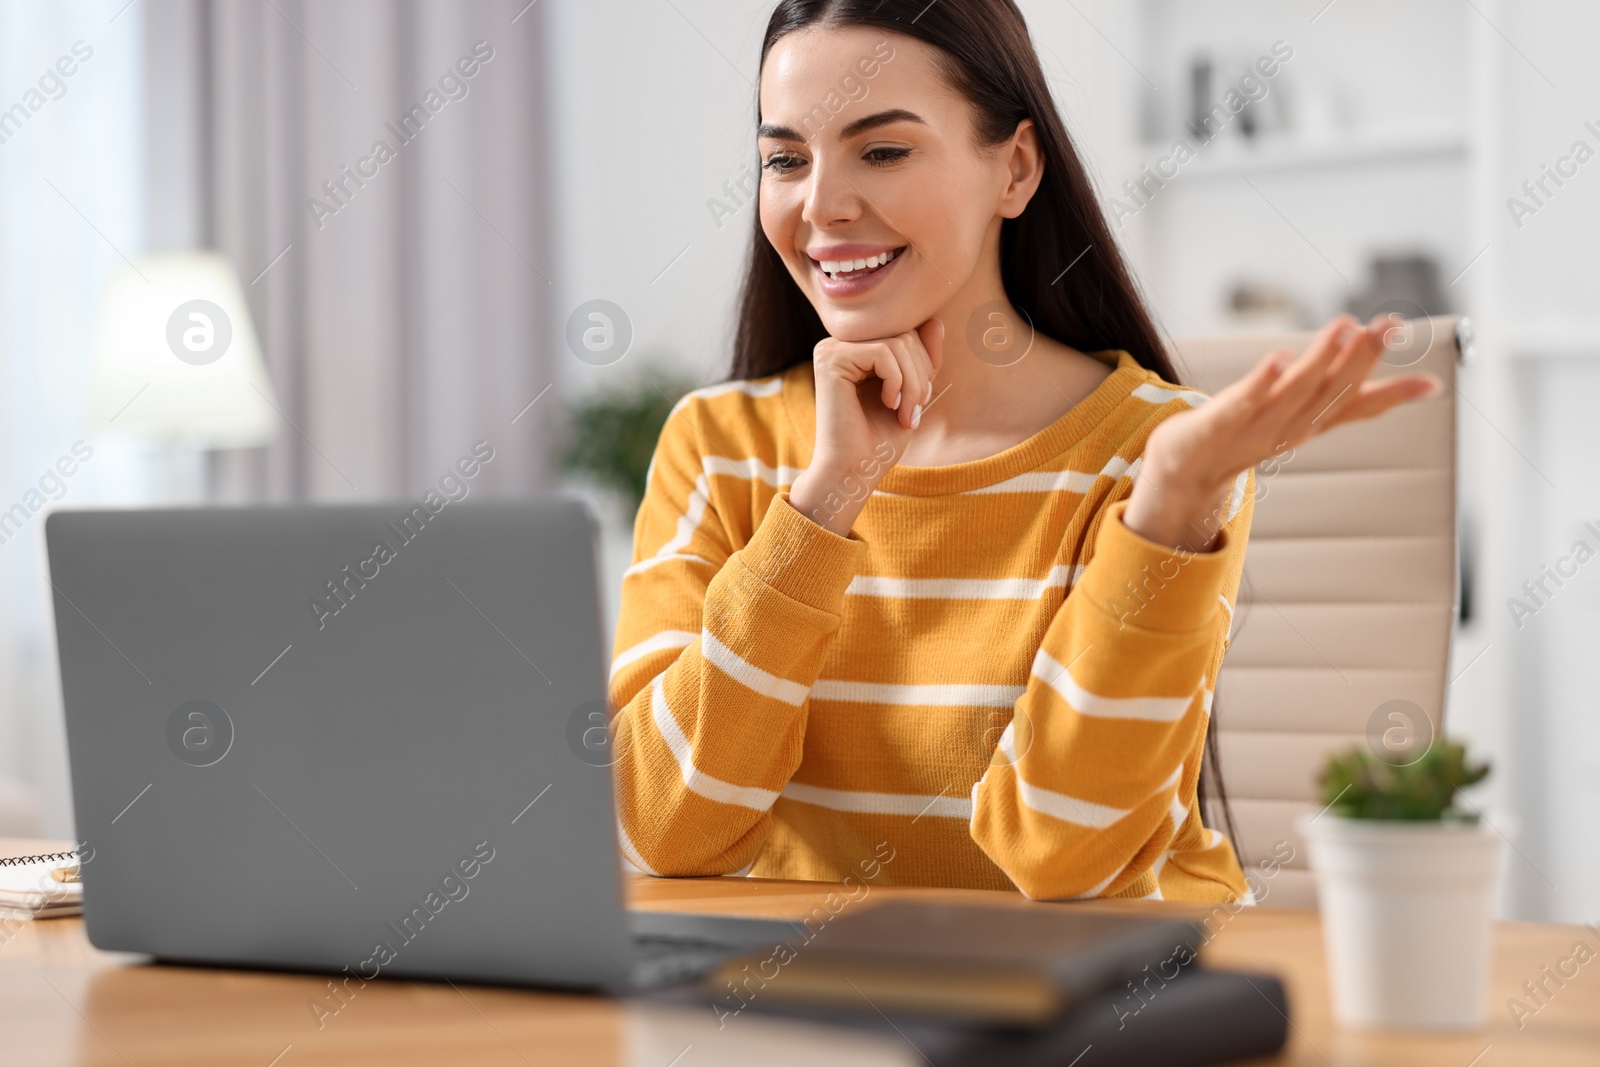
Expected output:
(1285, 401)
(1192, 457)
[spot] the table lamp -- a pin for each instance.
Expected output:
(176, 359)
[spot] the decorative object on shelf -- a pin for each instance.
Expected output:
(1199, 95)
(612, 434)
(1237, 94)
(1254, 305)
(1405, 880)
(1323, 112)
(1404, 284)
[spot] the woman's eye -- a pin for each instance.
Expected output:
(782, 163)
(786, 162)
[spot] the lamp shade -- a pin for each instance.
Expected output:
(176, 357)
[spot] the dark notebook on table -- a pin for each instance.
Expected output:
(976, 984)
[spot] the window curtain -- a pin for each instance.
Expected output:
(401, 294)
(71, 207)
(375, 171)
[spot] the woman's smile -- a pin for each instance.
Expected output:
(844, 271)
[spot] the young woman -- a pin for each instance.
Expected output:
(936, 588)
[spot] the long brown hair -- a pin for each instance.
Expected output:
(988, 56)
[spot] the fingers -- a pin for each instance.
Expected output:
(1266, 373)
(932, 335)
(929, 337)
(1301, 382)
(1371, 399)
(1355, 361)
(852, 363)
(1258, 416)
(918, 377)
(887, 367)
(903, 363)
(919, 363)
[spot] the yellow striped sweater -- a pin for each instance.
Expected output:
(992, 680)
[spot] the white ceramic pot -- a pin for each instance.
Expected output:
(1407, 919)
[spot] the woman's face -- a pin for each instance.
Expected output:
(868, 154)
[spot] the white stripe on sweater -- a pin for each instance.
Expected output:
(1151, 709)
(750, 469)
(1087, 894)
(688, 522)
(666, 639)
(748, 674)
(859, 802)
(651, 562)
(1236, 501)
(1061, 575)
(770, 387)
(1090, 894)
(1179, 813)
(971, 695)
(1156, 869)
(1161, 861)
(1060, 805)
(1041, 482)
(1157, 395)
(700, 501)
(696, 780)
(1061, 481)
(631, 854)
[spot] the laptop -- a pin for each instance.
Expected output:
(370, 740)
(354, 739)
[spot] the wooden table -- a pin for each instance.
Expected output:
(65, 1002)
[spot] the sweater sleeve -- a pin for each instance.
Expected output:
(717, 649)
(1092, 785)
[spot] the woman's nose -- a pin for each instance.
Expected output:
(831, 198)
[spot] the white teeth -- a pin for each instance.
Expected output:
(838, 266)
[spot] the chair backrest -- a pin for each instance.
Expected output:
(1342, 633)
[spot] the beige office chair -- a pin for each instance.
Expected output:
(1349, 592)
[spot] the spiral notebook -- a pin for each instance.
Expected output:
(40, 887)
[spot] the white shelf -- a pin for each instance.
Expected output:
(1573, 338)
(1231, 157)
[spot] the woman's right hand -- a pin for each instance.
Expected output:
(870, 398)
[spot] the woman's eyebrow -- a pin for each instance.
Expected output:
(859, 126)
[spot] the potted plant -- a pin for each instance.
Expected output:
(612, 434)
(607, 442)
(1405, 881)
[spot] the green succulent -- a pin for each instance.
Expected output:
(612, 434)
(1359, 785)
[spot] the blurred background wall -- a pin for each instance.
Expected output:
(603, 151)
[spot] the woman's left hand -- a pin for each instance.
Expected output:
(1192, 458)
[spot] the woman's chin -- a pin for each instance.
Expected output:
(868, 324)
